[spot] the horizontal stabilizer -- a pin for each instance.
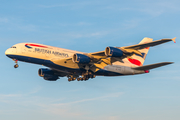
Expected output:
(152, 66)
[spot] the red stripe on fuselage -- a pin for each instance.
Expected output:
(135, 62)
(37, 45)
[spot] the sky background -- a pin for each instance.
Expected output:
(90, 26)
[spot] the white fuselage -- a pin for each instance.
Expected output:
(40, 54)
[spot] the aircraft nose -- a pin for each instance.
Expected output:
(7, 52)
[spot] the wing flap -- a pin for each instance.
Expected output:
(152, 66)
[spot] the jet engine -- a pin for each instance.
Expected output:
(47, 74)
(80, 58)
(50, 77)
(113, 52)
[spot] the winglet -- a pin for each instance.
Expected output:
(174, 39)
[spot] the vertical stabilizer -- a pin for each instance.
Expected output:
(137, 60)
(144, 51)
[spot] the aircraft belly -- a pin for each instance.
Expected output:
(44, 62)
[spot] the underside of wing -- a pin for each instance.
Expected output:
(65, 62)
(152, 66)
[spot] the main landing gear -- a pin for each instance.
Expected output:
(83, 78)
(16, 65)
(71, 79)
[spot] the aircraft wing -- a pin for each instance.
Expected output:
(150, 44)
(152, 66)
(134, 48)
(94, 65)
(100, 53)
(98, 60)
(66, 62)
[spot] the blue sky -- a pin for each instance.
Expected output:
(90, 26)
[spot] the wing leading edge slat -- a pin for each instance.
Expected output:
(150, 44)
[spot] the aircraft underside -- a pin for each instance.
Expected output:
(60, 71)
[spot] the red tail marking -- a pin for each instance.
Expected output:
(147, 48)
(135, 62)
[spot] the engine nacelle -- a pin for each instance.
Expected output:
(50, 77)
(47, 74)
(80, 58)
(113, 52)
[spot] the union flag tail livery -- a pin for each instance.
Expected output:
(138, 60)
(144, 51)
(113, 61)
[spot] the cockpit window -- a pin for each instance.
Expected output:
(13, 47)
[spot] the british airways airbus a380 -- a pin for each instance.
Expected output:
(113, 61)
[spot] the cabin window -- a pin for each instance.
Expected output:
(13, 47)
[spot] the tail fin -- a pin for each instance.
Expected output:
(137, 60)
(144, 51)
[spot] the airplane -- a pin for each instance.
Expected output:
(113, 61)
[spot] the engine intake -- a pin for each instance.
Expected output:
(113, 52)
(80, 58)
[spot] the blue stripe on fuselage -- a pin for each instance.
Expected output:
(50, 64)
(47, 63)
(28, 46)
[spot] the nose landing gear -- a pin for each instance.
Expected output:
(16, 65)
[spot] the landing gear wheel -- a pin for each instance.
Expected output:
(69, 79)
(78, 79)
(16, 66)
